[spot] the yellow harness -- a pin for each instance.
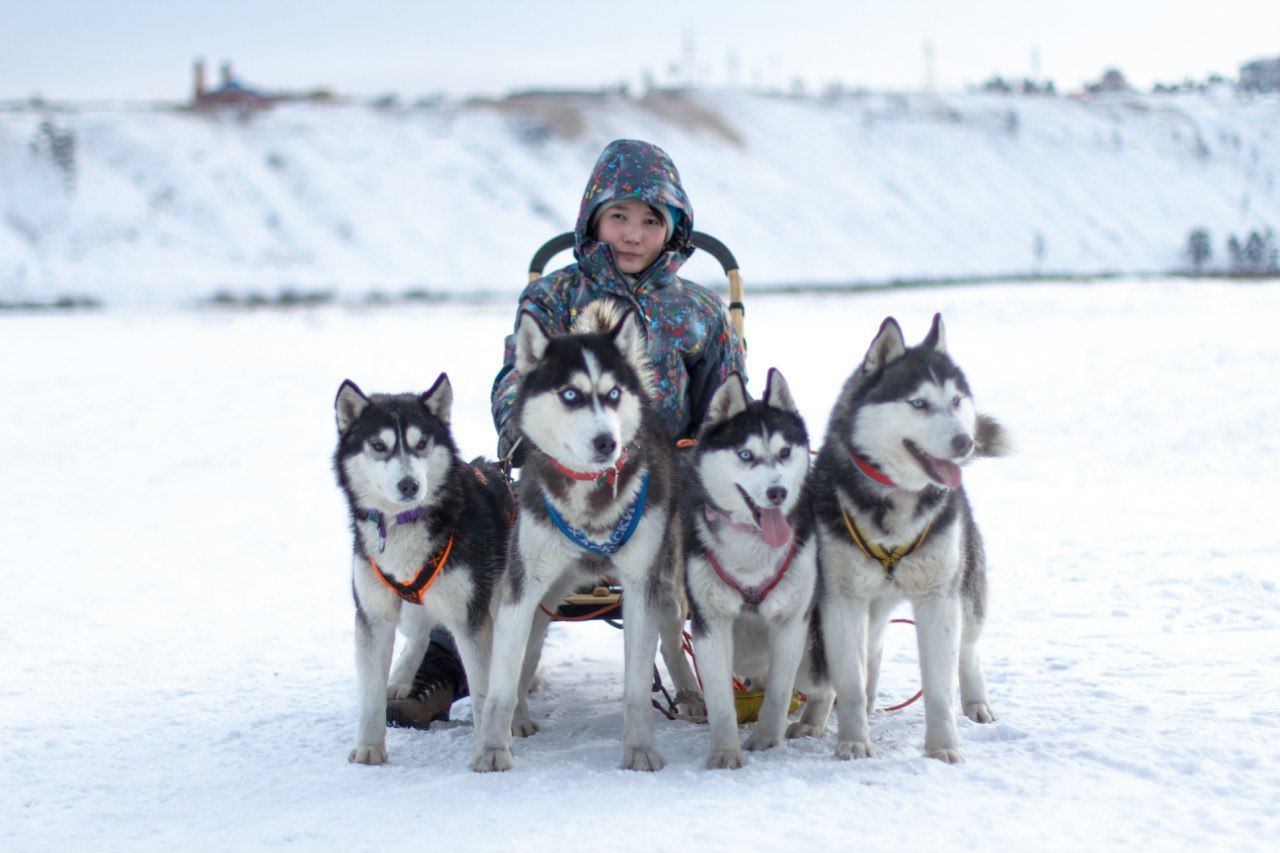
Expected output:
(887, 557)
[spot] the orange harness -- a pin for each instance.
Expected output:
(414, 590)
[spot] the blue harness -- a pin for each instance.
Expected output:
(617, 537)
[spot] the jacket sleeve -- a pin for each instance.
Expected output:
(722, 353)
(541, 299)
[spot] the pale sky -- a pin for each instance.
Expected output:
(143, 49)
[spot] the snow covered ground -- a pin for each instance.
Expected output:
(175, 624)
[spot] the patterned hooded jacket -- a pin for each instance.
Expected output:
(692, 344)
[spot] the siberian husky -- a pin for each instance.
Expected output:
(894, 524)
(597, 497)
(751, 563)
(429, 543)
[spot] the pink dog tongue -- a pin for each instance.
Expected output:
(774, 527)
(948, 471)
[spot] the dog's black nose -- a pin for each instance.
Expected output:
(604, 443)
(776, 494)
(408, 487)
(961, 444)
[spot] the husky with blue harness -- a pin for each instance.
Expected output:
(597, 498)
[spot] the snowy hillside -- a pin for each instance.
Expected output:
(170, 206)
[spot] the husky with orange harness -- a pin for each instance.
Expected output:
(750, 559)
(429, 543)
(894, 524)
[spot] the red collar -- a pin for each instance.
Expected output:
(872, 473)
(754, 594)
(607, 475)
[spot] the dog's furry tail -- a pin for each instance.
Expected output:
(990, 438)
(603, 315)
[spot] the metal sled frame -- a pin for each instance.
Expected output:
(605, 600)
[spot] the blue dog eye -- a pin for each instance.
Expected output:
(746, 455)
(569, 395)
(614, 395)
(918, 403)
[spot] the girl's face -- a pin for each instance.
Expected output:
(636, 233)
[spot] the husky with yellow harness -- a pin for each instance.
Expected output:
(894, 524)
(429, 544)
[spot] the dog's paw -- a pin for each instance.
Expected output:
(758, 741)
(946, 756)
(637, 758)
(373, 753)
(523, 728)
(805, 730)
(725, 759)
(691, 703)
(847, 749)
(979, 712)
(398, 690)
(493, 760)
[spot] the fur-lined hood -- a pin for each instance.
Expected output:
(628, 169)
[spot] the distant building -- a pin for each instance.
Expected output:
(1112, 81)
(230, 94)
(1261, 75)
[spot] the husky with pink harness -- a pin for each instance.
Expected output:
(750, 559)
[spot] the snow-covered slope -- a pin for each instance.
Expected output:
(172, 206)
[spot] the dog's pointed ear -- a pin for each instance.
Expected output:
(531, 343)
(349, 404)
(730, 399)
(439, 399)
(937, 337)
(777, 393)
(628, 337)
(888, 346)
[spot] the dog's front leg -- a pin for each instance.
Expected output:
(671, 644)
(510, 636)
(786, 647)
(639, 648)
(715, 651)
(937, 633)
(877, 621)
(522, 724)
(475, 647)
(416, 627)
(973, 687)
(845, 623)
(375, 634)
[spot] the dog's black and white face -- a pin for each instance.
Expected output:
(394, 450)
(580, 394)
(752, 457)
(915, 421)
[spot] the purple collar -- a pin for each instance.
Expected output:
(406, 517)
